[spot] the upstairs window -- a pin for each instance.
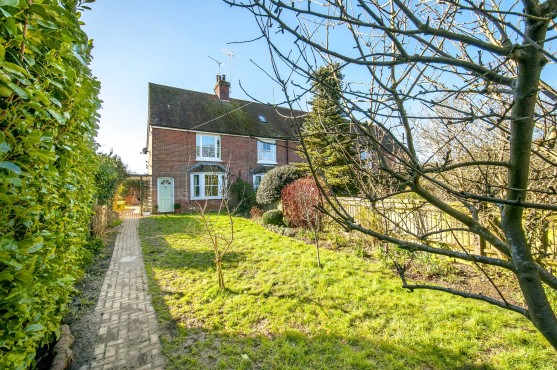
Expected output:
(266, 152)
(366, 159)
(207, 147)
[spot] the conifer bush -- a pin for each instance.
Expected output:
(326, 132)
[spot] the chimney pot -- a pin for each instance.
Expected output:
(222, 88)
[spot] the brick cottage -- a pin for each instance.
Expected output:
(197, 140)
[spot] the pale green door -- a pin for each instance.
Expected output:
(166, 194)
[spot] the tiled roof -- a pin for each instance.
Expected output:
(206, 167)
(262, 168)
(191, 110)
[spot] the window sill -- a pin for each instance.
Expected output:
(208, 198)
(267, 162)
(208, 159)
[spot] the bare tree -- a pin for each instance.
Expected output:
(453, 66)
(221, 239)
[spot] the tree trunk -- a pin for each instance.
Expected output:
(220, 276)
(530, 62)
(218, 264)
(317, 251)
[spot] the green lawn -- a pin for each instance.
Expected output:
(281, 311)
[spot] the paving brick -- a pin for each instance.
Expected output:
(99, 350)
(128, 331)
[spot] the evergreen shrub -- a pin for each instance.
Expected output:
(48, 121)
(242, 196)
(272, 217)
(273, 182)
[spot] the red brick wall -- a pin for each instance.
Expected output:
(173, 152)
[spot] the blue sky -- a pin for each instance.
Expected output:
(166, 42)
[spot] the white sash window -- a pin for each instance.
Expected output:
(206, 185)
(207, 147)
(266, 151)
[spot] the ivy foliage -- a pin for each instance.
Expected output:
(326, 132)
(242, 196)
(48, 121)
(273, 182)
(110, 174)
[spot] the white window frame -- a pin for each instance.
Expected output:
(202, 177)
(260, 151)
(365, 156)
(199, 148)
(366, 159)
(255, 183)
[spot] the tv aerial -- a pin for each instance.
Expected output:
(217, 61)
(230, 55)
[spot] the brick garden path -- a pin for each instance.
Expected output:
(128, 334)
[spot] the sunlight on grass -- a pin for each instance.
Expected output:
(280, 311)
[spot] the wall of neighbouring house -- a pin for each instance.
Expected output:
(173, 152)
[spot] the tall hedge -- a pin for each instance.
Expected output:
(111, 173)
(48, 120)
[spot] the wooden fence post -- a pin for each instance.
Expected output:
(481, 247)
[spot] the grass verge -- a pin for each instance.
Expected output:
(280, 311)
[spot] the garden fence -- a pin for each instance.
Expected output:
(415, 220)
(101, 218)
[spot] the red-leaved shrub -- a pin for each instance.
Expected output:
(255, 213)
(299, 199)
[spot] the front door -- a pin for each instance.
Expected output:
(166, 194)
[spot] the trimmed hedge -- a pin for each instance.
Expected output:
(272, 217)
(273, 182)
(48, 121)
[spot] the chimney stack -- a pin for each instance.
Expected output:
(222, 88)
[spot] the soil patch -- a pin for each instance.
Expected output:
(82, 319)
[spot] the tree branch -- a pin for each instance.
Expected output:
(478, 297)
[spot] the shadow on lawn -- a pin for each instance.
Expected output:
(202, 348)
(292, 297)
(199, 347)
(162, 255)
